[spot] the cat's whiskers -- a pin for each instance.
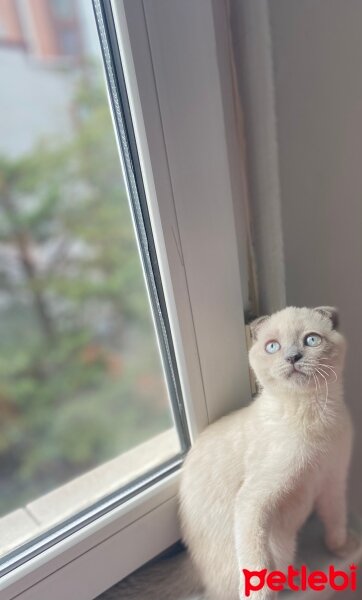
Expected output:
(315, 369)
(326, 366)
(329, 366)
(327, 391)
(319, 393)
(316, 383)
(323, 370)
(322, 367)
(333, 371)
(328, 374)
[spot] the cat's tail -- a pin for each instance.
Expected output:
(173, 578)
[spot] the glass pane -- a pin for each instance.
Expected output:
(81, 380)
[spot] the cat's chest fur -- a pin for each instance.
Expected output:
(285, 443)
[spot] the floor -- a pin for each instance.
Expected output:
(169, 578)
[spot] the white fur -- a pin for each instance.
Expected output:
(252, 478)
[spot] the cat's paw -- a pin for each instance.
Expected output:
(263, 593)
(343, 547)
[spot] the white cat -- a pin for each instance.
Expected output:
(252, 478)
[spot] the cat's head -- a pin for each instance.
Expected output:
(296, 345)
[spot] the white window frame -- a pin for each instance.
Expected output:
(183, 113)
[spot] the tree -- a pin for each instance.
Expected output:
(72, 297)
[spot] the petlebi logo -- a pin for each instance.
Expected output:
(300, 580)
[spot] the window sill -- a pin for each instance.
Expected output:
(40, 515)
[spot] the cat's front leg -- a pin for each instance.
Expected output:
(332, 509)
(252, 535)
(331, 504)
(253, 584)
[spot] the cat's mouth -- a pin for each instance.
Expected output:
(295, 372)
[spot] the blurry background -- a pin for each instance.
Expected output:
(80, 374)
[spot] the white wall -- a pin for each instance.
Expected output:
(316, 52)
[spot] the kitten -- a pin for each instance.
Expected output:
(253, 478)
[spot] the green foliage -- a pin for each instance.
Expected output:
(76, 338)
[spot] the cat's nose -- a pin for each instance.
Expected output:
(293, 358)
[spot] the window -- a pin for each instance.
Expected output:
(107, 407)
(81, 376)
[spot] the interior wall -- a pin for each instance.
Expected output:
(317, 52)
(315, 49)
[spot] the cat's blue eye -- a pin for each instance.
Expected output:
(272, 347)
(313, 340)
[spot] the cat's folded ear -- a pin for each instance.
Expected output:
(256, 324)
(331, 312)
